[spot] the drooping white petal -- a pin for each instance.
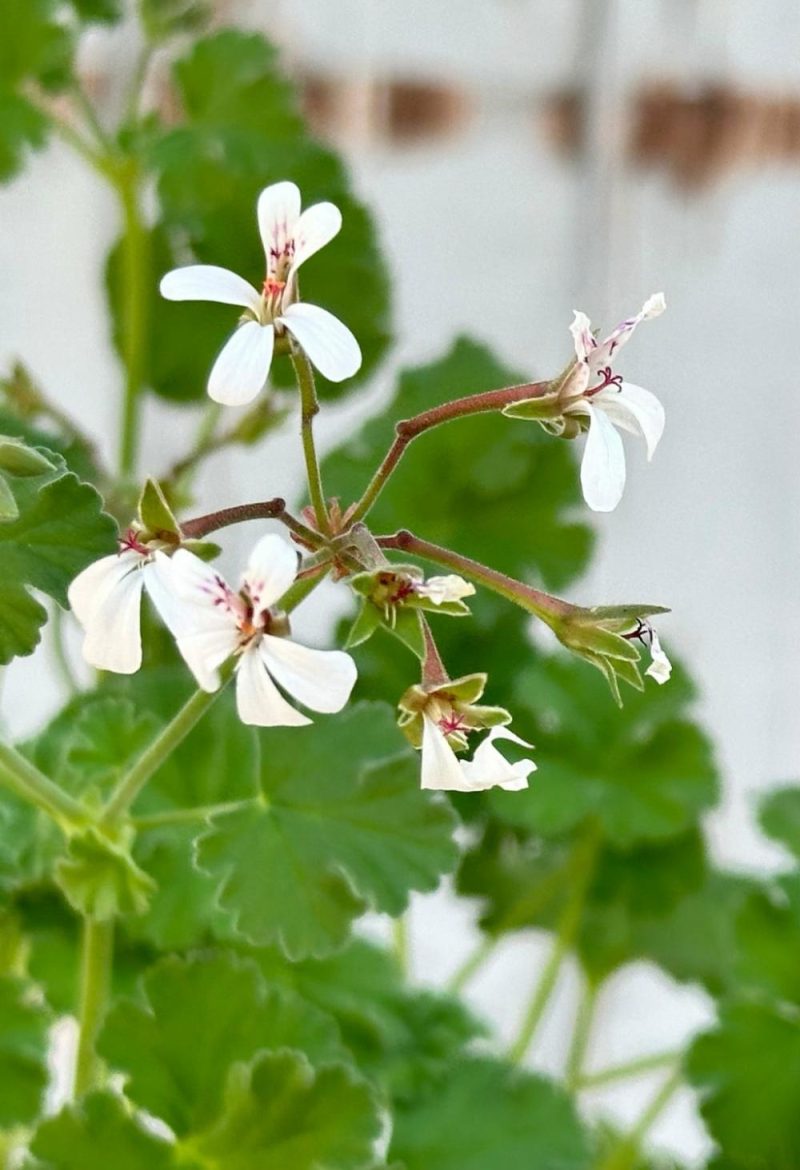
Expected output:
(106, 599)
(660, 667)
(635, 410)
(208, 282)
(241, 368)
(329, 345)
(440, 769)
(315, 228)
(489, 769)
(445, 589)
(603, 463)
(258, 700)
(319, 679)
(278, 213)
(581, 330)
(204, 650)
(270, 571)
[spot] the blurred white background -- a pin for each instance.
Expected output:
(498, 223)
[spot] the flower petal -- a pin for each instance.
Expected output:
(441, 770)
(106, 599)
(270, 571)
(660, 667)
(258, 700)
(329, 344)
(489, 769)
(603, 463)
(581, 330)
(241, 368)
(445, 589)
(278, 212)
(654, 306)
(189, 584)
(319, 679)
(205, 650)
(208, 282)
(315, 228)
(635, 410)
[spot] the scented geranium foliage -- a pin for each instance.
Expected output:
(190, 845)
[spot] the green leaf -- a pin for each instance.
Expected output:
(22, 128)
(154, 1042)
(24, 1026)
(8, 505)
(162, 19)
(405, 1038)
(486, 1116)
(335, 830)
(502, 479)
(645, 773)
(59, 530)
(100, 1134)
(780, 817)
(34, 44)
(768, 940)
(282, 1114)
(240, 131)
(99, 877)
(748, 1071)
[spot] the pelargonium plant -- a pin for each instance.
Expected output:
(190, 844)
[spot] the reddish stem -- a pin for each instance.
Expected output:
(261, 510)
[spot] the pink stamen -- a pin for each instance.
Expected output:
(130, 541)
(609, 379)
(452, 723)
(642, 633)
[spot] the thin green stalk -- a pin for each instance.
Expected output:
(472, 964)
(134, 780)
(95, 984)
(582, 869)
(309, 407)
(32, 785)
(581, 1035)
(184, 816)
(302, 587)
(402, 942)
(625, 1155)
(135, 286)
(628, 1069)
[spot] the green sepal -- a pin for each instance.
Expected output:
(541, 409)
(8, 505)
(157, 518)
(206, 550)
(408, 629)
(18, 458)
(366, 623)
(99, 877)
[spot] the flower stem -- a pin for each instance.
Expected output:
(134, 780)
(184, 816)
(135, 286)
(32, 785)
(409, 428)
(581, 1035)
(582, 868)
(543, 605)
(630, 1068)
(473, 962)
(401, 941)
(309, 407)
(625, 1155)
(95, 983)
(262, 510)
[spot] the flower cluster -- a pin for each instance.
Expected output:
(246, 631)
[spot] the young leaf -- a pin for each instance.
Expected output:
(99, 1134)
(335, 830)
(780, 817)
(24, 1026)
(60, 528)
(485, 1116)
(154, 1042)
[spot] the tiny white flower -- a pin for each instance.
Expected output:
(610, 402)
(442, 590)
(660, 667)
(106, 599)
(289, 237)
(443, 771)
(211, 623)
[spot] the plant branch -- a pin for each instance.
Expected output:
(188, 816)
(409, 429)
(262, 510)
(135, 286)
(95, 984)
(581, 1035)
(543, 605)
(473, 962)
(309, 407)
(625, 1155)
(630, 1068)
(19, 774)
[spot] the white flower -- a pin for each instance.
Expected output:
(442, 590)
(211, 623)
(660, 667)
(289, 238)
(443, 771)
(609, 402)
(106, 599)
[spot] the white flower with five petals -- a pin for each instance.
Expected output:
(211, 623)
(597, 393)
(289, 237)
(106, 598)
(443, 771)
